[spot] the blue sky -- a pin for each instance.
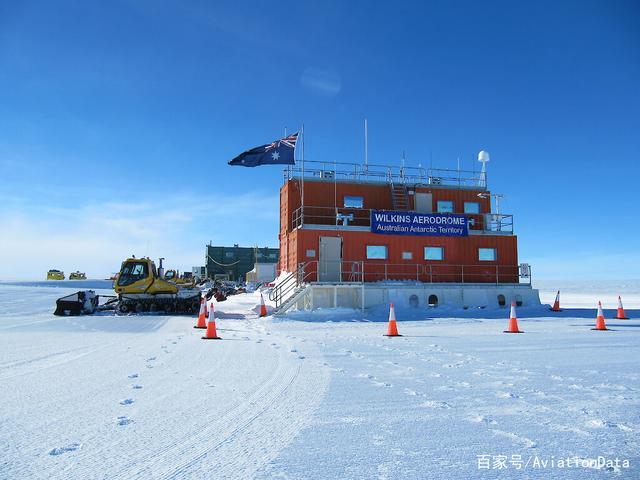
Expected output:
(117, 120)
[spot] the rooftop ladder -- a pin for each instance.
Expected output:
(399, 196)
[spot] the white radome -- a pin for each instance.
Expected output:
(483, 156)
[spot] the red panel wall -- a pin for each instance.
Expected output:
(458, 250)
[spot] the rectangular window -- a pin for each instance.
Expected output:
(353, 202)
(487, 254)
(471, 207)
(377, 252)
(273, 255)
(433, 253)
(228, 254)
(311, 253)
(407, 255)
(445, 206)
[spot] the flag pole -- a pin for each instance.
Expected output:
(302, 176)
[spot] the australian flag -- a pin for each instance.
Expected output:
(278, 152)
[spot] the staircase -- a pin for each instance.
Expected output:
(288, 291)
(297, 294)
(399, 196)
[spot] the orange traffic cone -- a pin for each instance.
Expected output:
(600, 325)
(202, 322)
(621, 315)
(263, 307)
(211, 333)
(556, 304)
(392, 329)
(513, 321)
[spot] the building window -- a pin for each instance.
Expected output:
(487, 254)
(471, 207)
(445, 206)
(407, 255)
(311, 253)
(376, 252)
(228, 254)
(353, 202)
(273, 255)
(433, 253)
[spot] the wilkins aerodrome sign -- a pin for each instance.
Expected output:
(410, 223)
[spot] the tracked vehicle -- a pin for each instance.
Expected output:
(139, 288)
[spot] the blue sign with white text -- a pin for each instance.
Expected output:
(411, 223)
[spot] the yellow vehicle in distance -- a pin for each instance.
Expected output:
(183, 280)
(77, 276)
(54, 274)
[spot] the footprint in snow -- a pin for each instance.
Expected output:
(381, 384)
(599, 423)
(69, 448)
(301, 357)
(435, 404)
(151, 359)
(133, 375)
(126, 401)
(123, 420)
(293, 350)
(482, 419)
(136, 387)
(507, 395)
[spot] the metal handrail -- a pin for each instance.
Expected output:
(289, 283)
(372, 271)
(328, 215)
(386, 173)
(375, 271)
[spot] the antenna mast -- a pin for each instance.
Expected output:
(366, 146)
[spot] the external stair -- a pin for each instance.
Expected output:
(285, 306)
(399, 196)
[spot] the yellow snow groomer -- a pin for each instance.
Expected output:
(77, 276)
(140, 288)
(55, 275)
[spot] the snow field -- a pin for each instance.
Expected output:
(320, 395)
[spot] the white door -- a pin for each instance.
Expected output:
(424, 202)
(330, 259)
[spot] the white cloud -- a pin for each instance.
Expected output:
(96, 237)
(323, 81)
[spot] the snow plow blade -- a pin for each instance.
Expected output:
(82, 303)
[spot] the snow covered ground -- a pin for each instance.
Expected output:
(319, 396)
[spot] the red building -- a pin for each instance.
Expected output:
(328, 231)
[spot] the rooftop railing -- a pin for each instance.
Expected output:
(333, 171)
(361, 217)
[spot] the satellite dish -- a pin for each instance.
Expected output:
(483, 156)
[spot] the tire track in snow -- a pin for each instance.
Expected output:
(55, 363)
(191, 441)
(230, 434)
